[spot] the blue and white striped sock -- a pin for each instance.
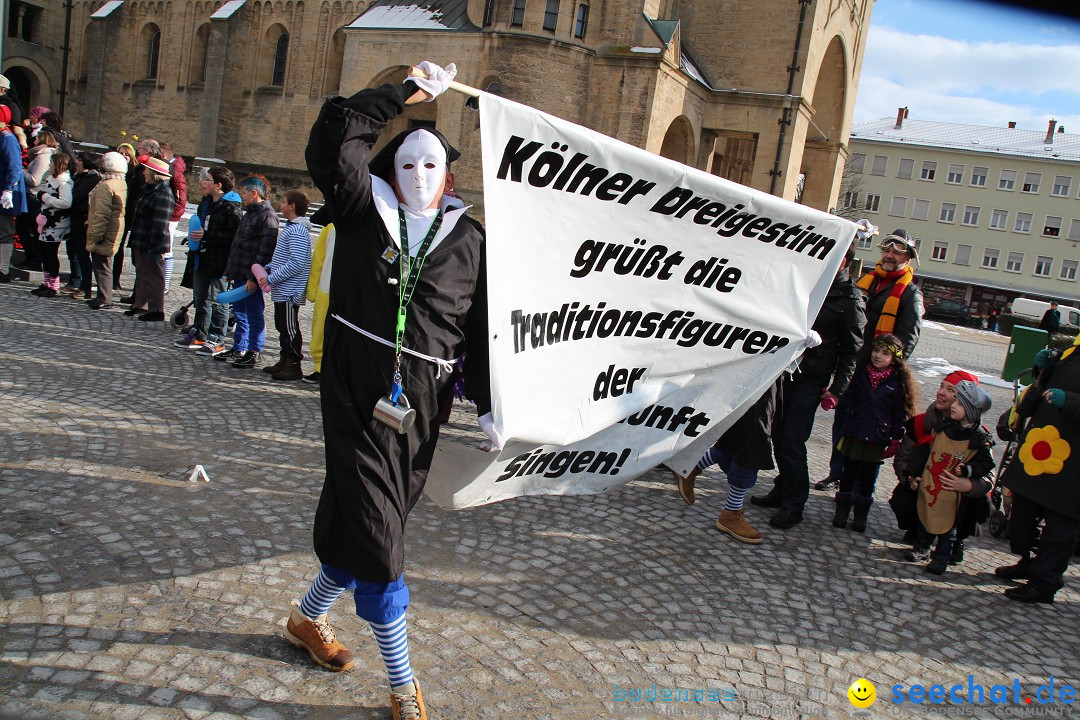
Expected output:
(711, 457)
(735, 498)
(321, 596)
(393, 642)
(168, 271)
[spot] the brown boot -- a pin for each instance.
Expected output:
(407, 702)
(269, 369)
(289, 371)
(733, 522)
(317, 637)
(686, 485)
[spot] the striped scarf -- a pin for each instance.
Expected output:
(871, 283)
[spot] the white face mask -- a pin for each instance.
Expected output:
(419, 168)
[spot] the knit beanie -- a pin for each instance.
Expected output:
(973, 399)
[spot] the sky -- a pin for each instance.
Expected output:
(972, 62)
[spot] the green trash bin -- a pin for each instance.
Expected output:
(1024, 344)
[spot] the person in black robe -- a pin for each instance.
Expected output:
(396, 229)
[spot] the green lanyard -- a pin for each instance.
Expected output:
(410, 272)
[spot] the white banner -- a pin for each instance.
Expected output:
(635, 305)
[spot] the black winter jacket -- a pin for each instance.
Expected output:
(254, 242)
(871, 414)
(82, 184)
(840, 324)
(908, 316)
(220, 221)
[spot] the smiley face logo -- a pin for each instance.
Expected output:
(862, 693)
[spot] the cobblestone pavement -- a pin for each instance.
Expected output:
(128, 592)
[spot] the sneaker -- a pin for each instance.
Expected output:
(826, 484)
(68, 289)
(918, 554)
(733, 522)
(407, 702)
(228, 355)
(78, 295)
(212, 348)
(185, 342)
(312, 378)
(247, 361)
(317, 638)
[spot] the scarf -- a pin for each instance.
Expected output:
(872, 283)
(877, 376)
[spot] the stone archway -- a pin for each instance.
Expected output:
(26, 87)
(822, 163)
(678, 142)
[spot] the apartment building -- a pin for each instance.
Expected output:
(996, 210)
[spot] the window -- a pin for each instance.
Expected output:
(1031, 182)
(151, 49)
(517, 17)
(978, 176)
(928, 170)
(956, 174)
(281, 57)
(920, 210)
(856, 162)
(1052, 228)
(990, 258)
(898, 206)
(941, 250)
(999, 219)
(863, 243)
(581, 24)
(971, 215)
(1023, 223)
(905, 168)
(948, 212)
(1068, 270)
(200, 47)
(880, 163)
(489, 13)
(1061, 186)
(850, 201)
(1007, 180)
(963, 255)
(1015, 262)
(551, 15)
(1074, 231)
(872, 201)
(1043, 265)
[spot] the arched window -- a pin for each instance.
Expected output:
(150, 49)
(334, 61)
(199, 48)
(281, 56)
(84, 53)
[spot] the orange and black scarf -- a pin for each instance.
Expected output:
(875, 282)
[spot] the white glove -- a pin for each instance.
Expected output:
(437, 79)
(866, 229)
(487, 426)
(5, 200)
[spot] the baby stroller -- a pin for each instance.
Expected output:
(1009, 431)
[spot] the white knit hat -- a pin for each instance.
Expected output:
(114, 162)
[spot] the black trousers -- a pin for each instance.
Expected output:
(287, 322)
(1053, 547)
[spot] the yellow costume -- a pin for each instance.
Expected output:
(318, 289)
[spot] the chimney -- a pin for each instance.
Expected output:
(1050, 132)
(1012, 124)
(901, 115)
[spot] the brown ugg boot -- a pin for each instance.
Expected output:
(686, 485)
(733, 522)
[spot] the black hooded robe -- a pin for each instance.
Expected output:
(375, 475)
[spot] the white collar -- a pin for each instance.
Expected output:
(386, 203)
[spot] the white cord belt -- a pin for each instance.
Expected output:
(447, 365)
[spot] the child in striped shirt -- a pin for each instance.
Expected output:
(287, 276)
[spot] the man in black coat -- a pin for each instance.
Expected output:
(1051, 319)
(407, 295)
(823, 375)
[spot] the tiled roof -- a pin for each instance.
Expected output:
(973, 138)
(416, 15)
